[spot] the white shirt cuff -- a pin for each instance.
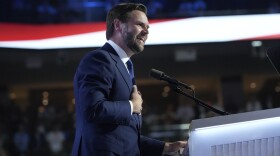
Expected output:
(131, 106)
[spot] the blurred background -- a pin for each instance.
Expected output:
(37, 105)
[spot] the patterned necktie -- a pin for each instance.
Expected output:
(130, 70)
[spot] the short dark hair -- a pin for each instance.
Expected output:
(121, 12)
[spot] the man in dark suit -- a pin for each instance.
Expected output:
(108, 104)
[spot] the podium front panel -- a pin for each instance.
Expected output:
(245, 134)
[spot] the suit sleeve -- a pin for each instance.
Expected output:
(102, 97)
(151, 147)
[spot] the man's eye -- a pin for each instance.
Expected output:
(143, 26)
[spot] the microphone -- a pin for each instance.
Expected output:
(162, 76)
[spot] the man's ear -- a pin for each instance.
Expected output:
(117, 24)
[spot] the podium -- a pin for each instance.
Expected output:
(245, 134)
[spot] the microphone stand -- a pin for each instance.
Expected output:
(198, 101)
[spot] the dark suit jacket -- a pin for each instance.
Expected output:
(102, 89)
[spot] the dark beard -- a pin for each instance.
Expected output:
(129, 39)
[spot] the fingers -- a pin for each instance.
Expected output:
(174, 146)
(182, 143)
(134, 88)
(137, 100)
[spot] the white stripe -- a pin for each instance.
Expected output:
(190, 30)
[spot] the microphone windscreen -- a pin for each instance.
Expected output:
(156, 74)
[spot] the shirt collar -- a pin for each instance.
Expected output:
(122, 54)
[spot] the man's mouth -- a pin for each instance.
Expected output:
(141, 39)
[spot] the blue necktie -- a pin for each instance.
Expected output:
(130, 70)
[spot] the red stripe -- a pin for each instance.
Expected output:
(13, 32)
(268, 37)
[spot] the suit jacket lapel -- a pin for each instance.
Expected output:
(123, 71)
(119, 64)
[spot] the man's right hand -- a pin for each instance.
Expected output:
(136, 100)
